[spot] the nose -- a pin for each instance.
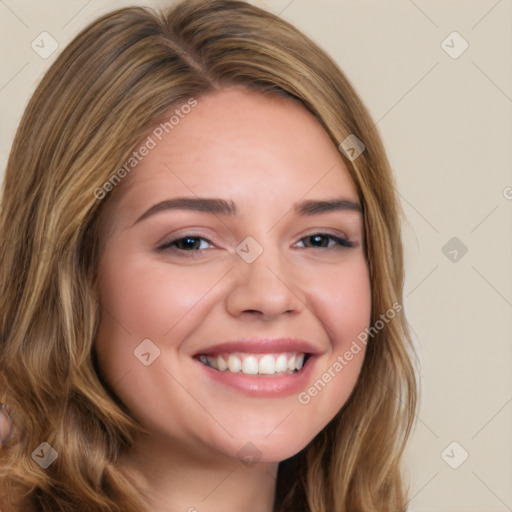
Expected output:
(262, 289)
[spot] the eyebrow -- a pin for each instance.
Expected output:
(222, 207)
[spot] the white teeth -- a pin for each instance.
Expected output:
(250, 365)
(281, 363)
(234, 364)
(267, 365)
(254, 364)
(221, 364)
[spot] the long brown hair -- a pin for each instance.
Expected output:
(115, 81)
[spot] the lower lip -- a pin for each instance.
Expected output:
(264, 386)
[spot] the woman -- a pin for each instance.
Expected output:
(201, 275)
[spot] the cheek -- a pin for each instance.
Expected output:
(148, 299)
(142, 298)
(343, 301)
(343, 305)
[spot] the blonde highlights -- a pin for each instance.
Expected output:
(117, 81)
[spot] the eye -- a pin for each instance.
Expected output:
(323, 241)
(188, 243)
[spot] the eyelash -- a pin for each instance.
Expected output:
(341, 242)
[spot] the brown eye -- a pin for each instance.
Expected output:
(186, 243)
(322, 241)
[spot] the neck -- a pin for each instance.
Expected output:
(179, 480)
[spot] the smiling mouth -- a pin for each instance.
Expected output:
(285, 363)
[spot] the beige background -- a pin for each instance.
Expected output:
(446, 123)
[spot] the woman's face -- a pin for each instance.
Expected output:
(270, 270)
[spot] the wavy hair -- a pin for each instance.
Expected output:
(113, 83)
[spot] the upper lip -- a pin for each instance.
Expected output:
(262, 346)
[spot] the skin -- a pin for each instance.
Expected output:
(265, 153)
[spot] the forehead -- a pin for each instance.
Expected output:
(242, 144)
